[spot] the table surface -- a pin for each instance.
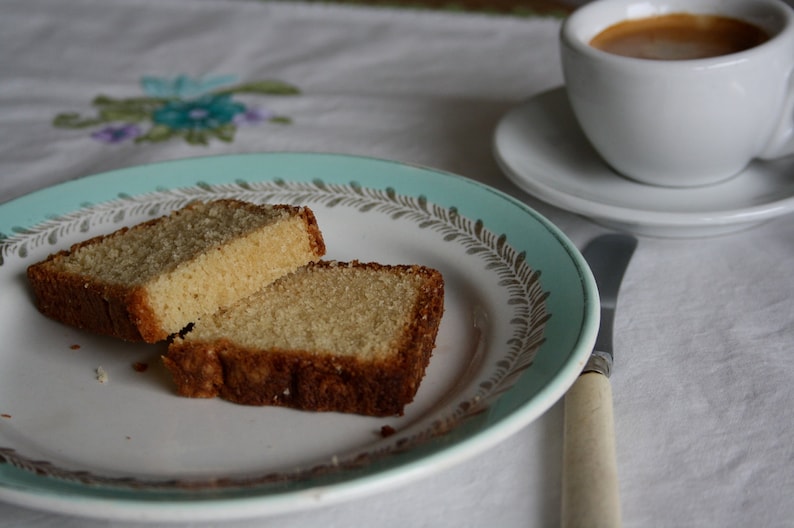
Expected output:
(704, 399)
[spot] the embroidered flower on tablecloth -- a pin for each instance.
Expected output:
(196, 110)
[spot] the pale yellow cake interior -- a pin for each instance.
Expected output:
(200, 258)
(345, 312)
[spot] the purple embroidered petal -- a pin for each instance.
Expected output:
(254, 115)
(116, 134)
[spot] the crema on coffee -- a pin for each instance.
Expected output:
(679, 36)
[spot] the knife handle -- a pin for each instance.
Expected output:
(589, 470)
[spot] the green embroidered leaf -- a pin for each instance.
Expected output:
(130, 110)
(225, 132)
(262, 87)
(128, 115)
(195, 136)
(280, 120)
(156, 134)
(73, 120)
(143, 104)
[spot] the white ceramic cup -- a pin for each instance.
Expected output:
(681, 123)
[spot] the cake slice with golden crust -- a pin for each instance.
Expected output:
(347, 337)
(149, 281)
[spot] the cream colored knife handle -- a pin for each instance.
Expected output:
(589, 472)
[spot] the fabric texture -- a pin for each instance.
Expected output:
(704, 399)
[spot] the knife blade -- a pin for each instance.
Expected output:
(590, 495)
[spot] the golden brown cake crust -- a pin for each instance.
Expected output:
(310, 381)
(103, 309)
(80, 301)
(121, 310)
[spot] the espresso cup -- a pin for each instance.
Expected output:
(682, 122)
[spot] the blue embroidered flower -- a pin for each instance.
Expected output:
(182, 86)
(206, 113)
(196, 110)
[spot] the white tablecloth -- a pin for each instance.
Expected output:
(704, 376)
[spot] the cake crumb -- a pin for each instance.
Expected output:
(4, 415)
(140, 366)
(101, 375)
(75, 347)
(387, 430)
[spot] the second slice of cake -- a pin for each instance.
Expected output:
(347, 337)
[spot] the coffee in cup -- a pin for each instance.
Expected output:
(721, 94)
(679, 36)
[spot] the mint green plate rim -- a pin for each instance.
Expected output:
(569, 334)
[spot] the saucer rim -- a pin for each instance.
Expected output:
(625, 216)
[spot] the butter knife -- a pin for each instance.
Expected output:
(590, 495)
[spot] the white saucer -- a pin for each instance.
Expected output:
(541, 148)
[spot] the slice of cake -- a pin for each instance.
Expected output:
(150, 281)
(347, 337)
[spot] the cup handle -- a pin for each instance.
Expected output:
(782, 141)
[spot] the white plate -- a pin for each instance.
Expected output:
(520, 318)
(541, 148)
